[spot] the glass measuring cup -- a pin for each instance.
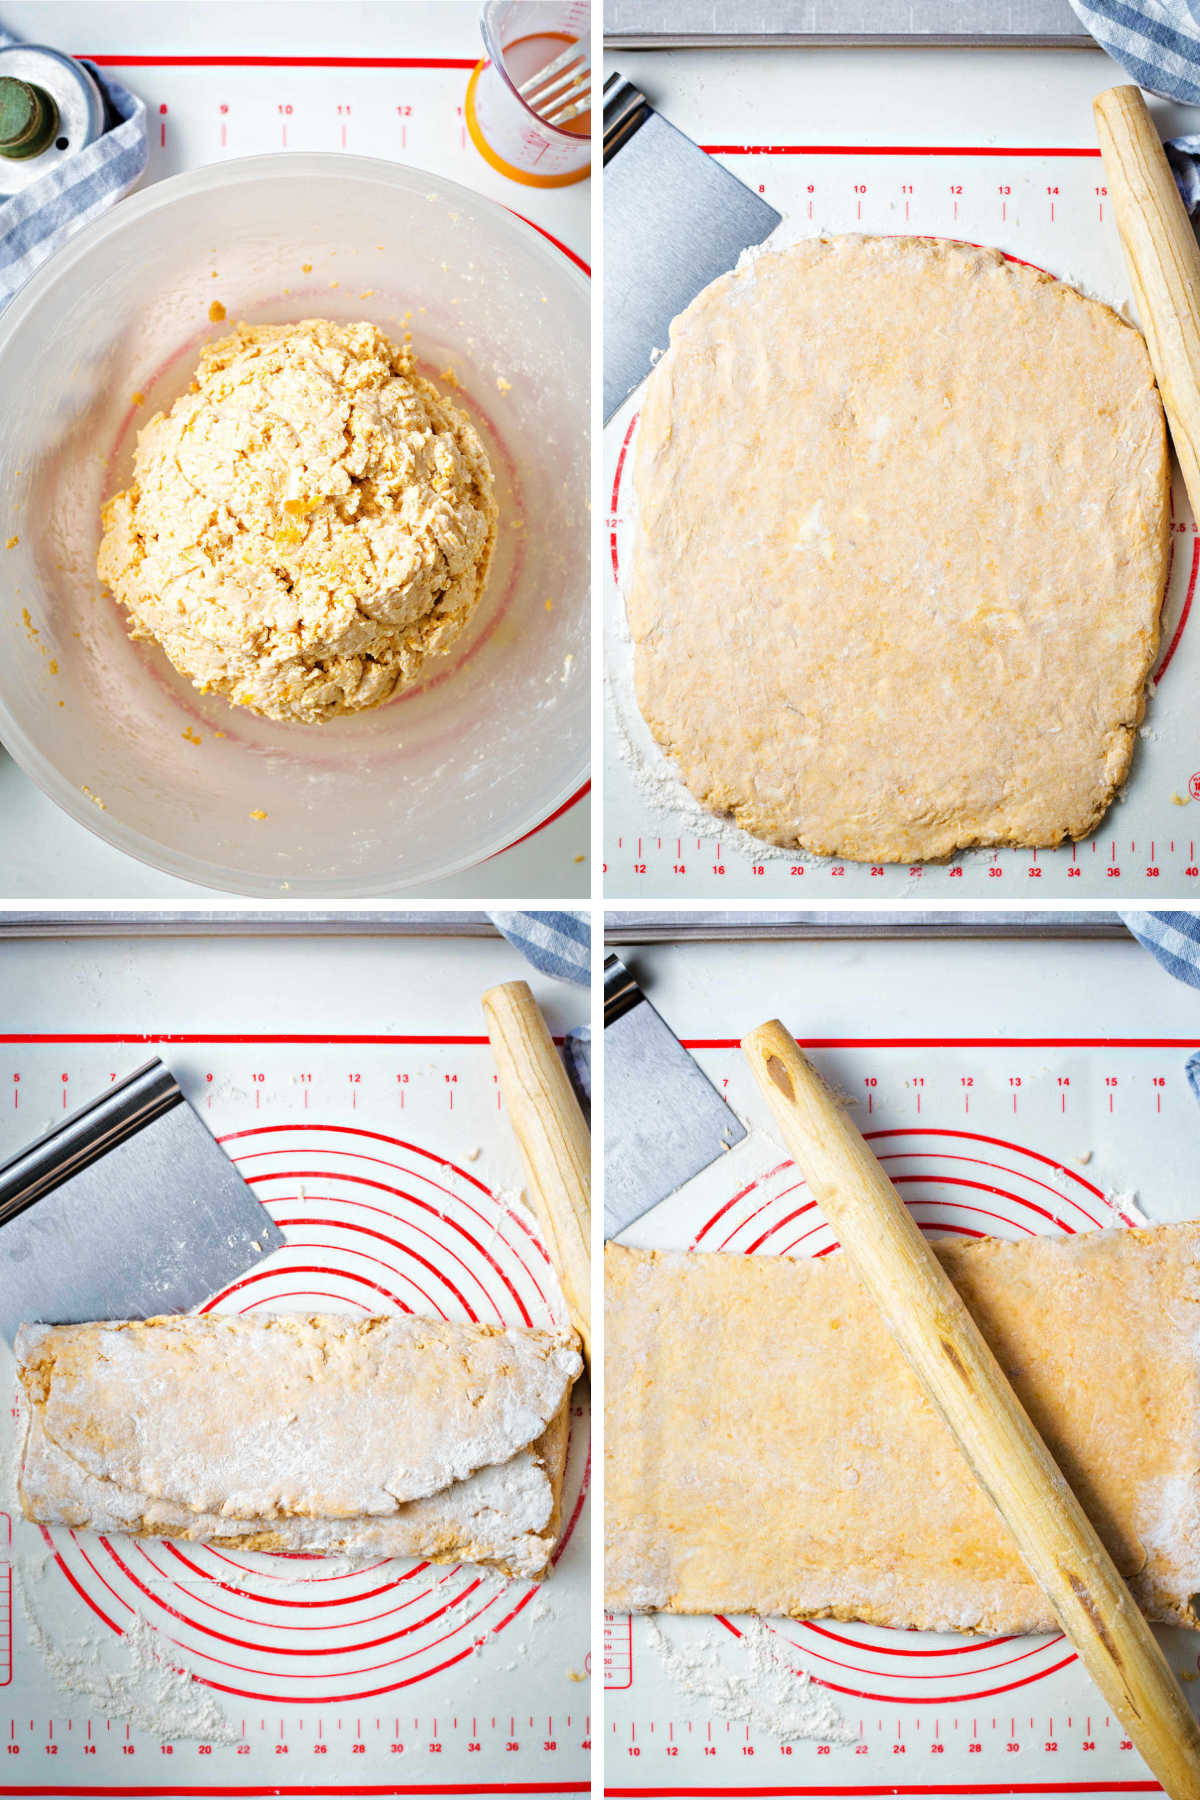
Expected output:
(521, 37)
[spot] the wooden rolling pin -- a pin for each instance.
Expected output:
(553, 1137)
(1163, 260)
(948, 1355)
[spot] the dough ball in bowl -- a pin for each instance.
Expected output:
(478, 744)
(308, 524)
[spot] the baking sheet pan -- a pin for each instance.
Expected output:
(647, 24)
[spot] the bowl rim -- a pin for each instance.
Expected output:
(306, 165)
(329, 164)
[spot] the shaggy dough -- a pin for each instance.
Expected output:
(768, 1450)
(307, 525)
(388, 1436)
(902, 541)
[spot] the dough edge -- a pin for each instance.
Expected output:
(902, 845)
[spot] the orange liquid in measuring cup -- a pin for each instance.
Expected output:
(526, 55)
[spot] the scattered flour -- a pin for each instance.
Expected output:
(150, 1687)
(1124, 1206)
(660, 789)
(476, 1600)
(772, 1693)
(334, 1564)
(10, 1467)
(512, 1203)
(791, 230)
(227, 1093)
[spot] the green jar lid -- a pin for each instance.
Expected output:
(28, 119)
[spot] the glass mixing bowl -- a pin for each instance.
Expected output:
(495, 736)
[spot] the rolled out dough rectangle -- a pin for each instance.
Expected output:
(767, 1449)
(384, 1436)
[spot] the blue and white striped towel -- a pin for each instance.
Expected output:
(557, 943)
(1173, 939)
(1157, 43)
(560, 944)
(42, 216)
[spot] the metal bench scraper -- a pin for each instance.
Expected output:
(664, 1121)
(127, 1208)
(674, 219)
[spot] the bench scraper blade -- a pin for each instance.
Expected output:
(674, 219)
(128, 1208)
(664, 1121)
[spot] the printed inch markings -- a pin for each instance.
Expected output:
(6, 1602)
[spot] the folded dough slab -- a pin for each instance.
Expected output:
(768, 1451)
(380, 1436)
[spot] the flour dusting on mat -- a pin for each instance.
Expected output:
(150, 1687)
(660, 788)
(772, 1693)
(513, 1203)
(1124, 1206)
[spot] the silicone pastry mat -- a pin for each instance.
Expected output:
(375, 1137)
(998, 148)
(984, 1076)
